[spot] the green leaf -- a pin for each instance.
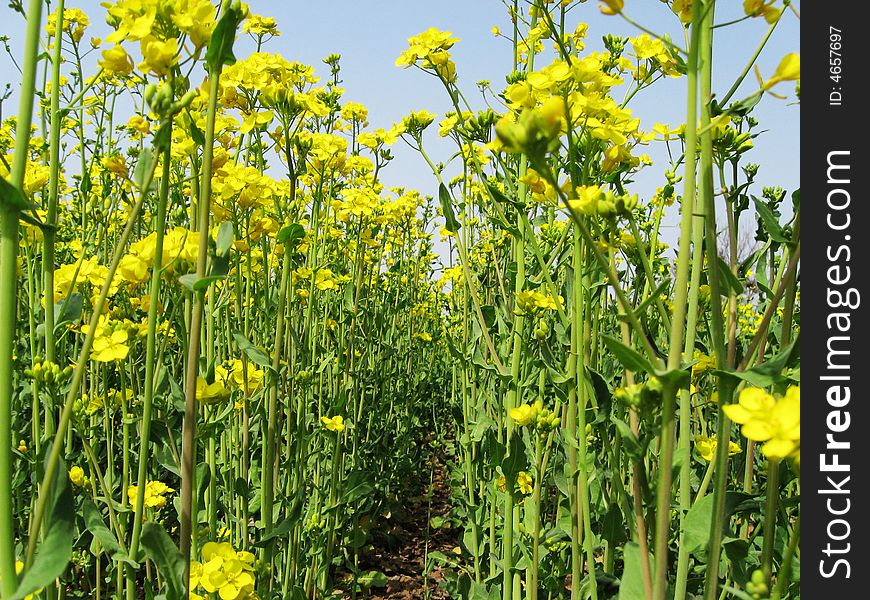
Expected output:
(170, 563)
(358, 485)
(68, 311)
(220, 48)
(629, 439)
(224, 238)
(198, 284)
(53, 554)
(144, 167)
(631, 585)
(163, 137)
(745, 106)
(676, 378)
(770, 222)
(285, 526)
(768, 372)
(641, 308)
(254, 354)
(515, 461)
(613, 527)
(729, 280)
(290, 233)
(196, 133)
(450, 222)
(108, 541)
(628, 358)
(373, 579)
(12, 198)
(696, 525)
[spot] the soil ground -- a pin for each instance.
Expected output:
(400, 552)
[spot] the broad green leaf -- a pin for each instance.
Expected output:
(170, 563)
(770, 222)
(627, 357)
(144, 167)
(515, 461)
(254, 354)
(198, 284)
(53, 554)
(285, 526)
(163, 137)
(631, 585)
(224, 240)
(649, 300)
(450, 222)
(68, 311)
(220, 47)
(108, 541)
(11, 197)
(768, 372)
(696, 525)
(629, 439)
(730, 283)
(290, 233)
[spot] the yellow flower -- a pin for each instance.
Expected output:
(110, 347)
(139, 125)
(225, 571)
(706, 447)
(77, 476)
(757, 8)
(683, 9)
(522, 415)
(325, 280)
(335, 423)
(260, 25)
(116, 164)
(703, 363)
(159, 55)
(195, 18)
(611, 7)
(789, 69)
(777, 422)
(524, 482)
(75, 21)
(116, 61)
(155, 494)
(211, 393)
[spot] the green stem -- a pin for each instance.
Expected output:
(784, 576)
(188, 436)
(150, 350)
(770, 514)
(9, 298)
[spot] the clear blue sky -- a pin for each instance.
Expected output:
(369, 35)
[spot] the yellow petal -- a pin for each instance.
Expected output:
(757, 430)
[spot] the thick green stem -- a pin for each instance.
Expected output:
(9, 297)
(770, 513)
(681, 297)
(188, 436)
(150, 360)
(268, 458)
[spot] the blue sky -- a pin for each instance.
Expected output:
(370, 34)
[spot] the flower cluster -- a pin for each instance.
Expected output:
(774, 421)
(225, 571)
(155, 494)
